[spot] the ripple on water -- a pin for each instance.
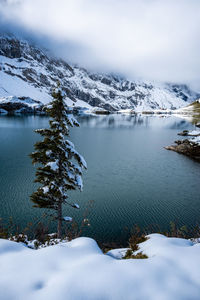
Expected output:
(131, 178)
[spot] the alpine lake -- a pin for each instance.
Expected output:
(131, 179)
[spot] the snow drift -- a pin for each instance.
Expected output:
(79, 270)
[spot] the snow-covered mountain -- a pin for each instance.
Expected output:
(29, 71)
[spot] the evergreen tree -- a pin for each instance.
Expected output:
(61, 165)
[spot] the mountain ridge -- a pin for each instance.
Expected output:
(27, 70)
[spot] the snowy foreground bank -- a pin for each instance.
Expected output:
(79, 270)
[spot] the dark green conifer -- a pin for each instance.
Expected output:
(61, 165)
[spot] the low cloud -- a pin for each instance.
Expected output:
(152, 39)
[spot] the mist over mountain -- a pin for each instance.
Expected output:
(27, 70)
(151, 40)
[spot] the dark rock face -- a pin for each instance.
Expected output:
(11, 49)
(187, 148)
(181, 90)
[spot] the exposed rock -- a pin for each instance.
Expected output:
(101, 112)
(189, 133)
(184, 133)
(187, 148)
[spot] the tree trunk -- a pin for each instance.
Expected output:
(59, 228)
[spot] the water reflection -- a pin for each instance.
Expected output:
(129, 121)
(96, 121)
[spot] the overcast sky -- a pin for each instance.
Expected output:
(151, 39)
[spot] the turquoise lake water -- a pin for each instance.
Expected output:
(131, 178)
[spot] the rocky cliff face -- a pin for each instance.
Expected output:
(26, 70)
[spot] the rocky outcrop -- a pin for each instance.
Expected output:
(188, 133)
(188, 147)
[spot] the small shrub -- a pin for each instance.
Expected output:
(36, 245)
(140, 255)
(137, 237)
(19, 238)
(41, 233)
(74, 230)
(129, 255)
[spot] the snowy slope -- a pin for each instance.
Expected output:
(78, 270)
(193, 108)
(13, 104)
(26, 70)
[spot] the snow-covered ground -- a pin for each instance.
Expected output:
(195, 134)
(13, 86)
(196, 140)
(188, 109)
(79, 270)
(12, 99)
